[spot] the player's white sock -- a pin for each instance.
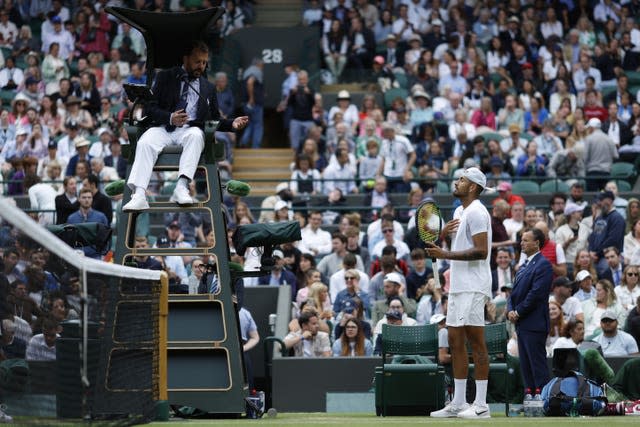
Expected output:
(481, 393)
(460, 392)
(140, 192)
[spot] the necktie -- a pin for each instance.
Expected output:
(616, 277)
(182, 102)
(523, 268)
(506, 280)
(213, 286)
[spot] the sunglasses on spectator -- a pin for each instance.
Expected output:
(351, 327)
(388, 230)
(349, 277)
(632, 274)
(608, 320)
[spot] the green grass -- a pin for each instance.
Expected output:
(321, 419)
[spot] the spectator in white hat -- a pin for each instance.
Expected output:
(585, 283)
(349, 111)
(282, 192)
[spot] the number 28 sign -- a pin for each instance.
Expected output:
(272, 56)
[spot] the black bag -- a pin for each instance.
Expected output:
(573, 395)
(14, 375)
(91, 234)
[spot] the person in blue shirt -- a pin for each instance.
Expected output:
(87, 214)
(344, 299)
(531, 163)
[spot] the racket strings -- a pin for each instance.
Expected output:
(428, 222)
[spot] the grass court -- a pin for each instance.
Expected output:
(322, 419)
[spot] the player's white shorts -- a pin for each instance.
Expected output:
(466, 309)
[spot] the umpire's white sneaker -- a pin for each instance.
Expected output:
(137, 203)
(181, 196)
(450, 411)
(475, 412)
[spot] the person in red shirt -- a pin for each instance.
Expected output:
(592, 108)
(504, 191)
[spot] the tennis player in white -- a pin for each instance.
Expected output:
(470, 289)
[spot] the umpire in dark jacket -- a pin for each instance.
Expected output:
(183, 100)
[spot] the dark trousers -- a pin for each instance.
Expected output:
(533, 358)
(594, 182)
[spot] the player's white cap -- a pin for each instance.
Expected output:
(476, 176)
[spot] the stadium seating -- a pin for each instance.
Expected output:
(525, 187)
(624, 170)
(554, 185)
(393, 93)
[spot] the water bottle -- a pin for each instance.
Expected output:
(537, 404)
(527, 402)
(575, 410)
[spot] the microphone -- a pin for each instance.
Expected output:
(114, 188)
(238, 188)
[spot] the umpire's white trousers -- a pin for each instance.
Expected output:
(151, 143)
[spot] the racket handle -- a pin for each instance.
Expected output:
(436, 274)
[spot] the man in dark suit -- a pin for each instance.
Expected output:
(528, 309)
(618, 131)
(392, 54)
(183, 99)
(615, 267)
(115, 159)
(67, 202)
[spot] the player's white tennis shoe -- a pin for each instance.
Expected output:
(450, 411)
(475, 412)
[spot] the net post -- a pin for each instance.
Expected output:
(162, 406)
(84, 374)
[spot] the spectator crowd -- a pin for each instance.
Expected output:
(524, 91)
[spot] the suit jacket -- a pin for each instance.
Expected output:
(397, 56)
(608, 274)
(64, 208)
(623, 130)
(93, 100)
(166, 94)
(495, 281)
(122, 165)
(530, 295)
(102, 203)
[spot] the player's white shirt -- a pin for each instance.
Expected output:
(471, 276)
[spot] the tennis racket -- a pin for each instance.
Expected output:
(429, 225)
